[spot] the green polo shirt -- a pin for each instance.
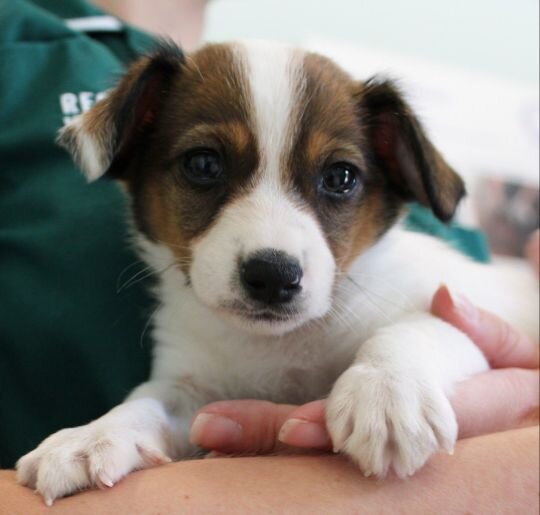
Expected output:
(73, 329)
(71, 339)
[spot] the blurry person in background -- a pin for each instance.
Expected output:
(495, 465)
(508, 213)
(180, 20)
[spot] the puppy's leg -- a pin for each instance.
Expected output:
(150, 428)
(391, 407)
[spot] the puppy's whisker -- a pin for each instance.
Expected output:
(345, 315)
(343, 322)
(125, 270)
(378, 279)
(400, 303)
(126, 284)
(147, 326)
(142, 275)
(368, 295)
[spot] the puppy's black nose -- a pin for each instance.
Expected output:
(271, 276)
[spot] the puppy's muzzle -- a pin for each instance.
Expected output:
(271, 276)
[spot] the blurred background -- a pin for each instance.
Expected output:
(492, 36)
(470, 68)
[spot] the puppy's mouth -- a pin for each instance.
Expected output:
(250, 317)
(266, 314)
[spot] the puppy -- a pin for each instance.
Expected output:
(267, 188)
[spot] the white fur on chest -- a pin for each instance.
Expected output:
(396, 277)
(191, 341)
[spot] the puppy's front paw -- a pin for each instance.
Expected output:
(384, 419)
(98, 454)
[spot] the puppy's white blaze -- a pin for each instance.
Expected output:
(263, 219)
(266, 217)
(275, 79)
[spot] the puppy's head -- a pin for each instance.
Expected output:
(265, 170)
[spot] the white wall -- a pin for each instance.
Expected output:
(494, 36)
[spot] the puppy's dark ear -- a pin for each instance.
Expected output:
(103, 139)
(403, 151)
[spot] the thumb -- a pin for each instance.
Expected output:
(502, 345)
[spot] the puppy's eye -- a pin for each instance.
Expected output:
(340, 179)
(203, 167)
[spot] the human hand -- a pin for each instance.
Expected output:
(532, 251)
(250, 426)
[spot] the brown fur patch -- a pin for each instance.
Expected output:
(402, 149)
(331, 131)
(207, 108)
(117, 124)
(370, 126)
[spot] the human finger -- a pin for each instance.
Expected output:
(502, 345)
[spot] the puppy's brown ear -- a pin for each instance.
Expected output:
(103, 140)
(403, 151)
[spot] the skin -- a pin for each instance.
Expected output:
(180, 20)
(479, 471)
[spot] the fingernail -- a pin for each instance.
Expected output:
(214, 431)
(445, 296)
(464, 307)
(302, 433)
(459, 303)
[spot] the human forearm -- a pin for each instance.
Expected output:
(476, 479)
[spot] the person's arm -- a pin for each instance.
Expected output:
(497, 473)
